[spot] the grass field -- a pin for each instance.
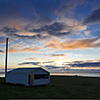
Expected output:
(72, 87)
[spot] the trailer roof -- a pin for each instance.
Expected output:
(25, 70)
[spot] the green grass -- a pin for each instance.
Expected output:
(61, 87)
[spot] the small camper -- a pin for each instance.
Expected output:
(28, 76)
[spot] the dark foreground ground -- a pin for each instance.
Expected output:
(61, 87)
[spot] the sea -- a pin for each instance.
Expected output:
(86, 74)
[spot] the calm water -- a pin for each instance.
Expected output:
(92, 74)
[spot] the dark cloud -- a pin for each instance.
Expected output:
(54, 29)
(2, 39)
(38, 36)
(77, 62)
(38, 13)
(1, 51)
(87, 64)
(93, 18)
(53, 67)
(47, 62)
(12, 32)
(60, 33)
(8, 30)
(32, 63)
(57, 55)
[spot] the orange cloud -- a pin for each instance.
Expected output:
(74, 25)
(26, 33)
(73, 44)
(18, 24)
(98, 60)
(53, 44)
(13, 50)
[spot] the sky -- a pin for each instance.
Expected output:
(55, 34)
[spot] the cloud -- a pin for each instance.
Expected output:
(14, 50)
(74, 25)
(64, 8)
(1, 51)
(24, 33)
(57, 55)
(8, 30)
(87, 33)
(19, 46)
(53, 67)
(98, 60)
(30, 58)
(15, 33)
(84, 65)
(32, 63)
(93, 18)
(54, 29)
(58, 28)
(34, 58)
(84, 61)
(47, 62)
(87, 64)
(36, 37)
(17, 14)
(2, 39)
(73, 44)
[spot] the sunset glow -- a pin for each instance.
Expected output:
(54, 33)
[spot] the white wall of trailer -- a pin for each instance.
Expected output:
(23, 78)
(17, 78)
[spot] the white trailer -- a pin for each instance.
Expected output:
(28, 76)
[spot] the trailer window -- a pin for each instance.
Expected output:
(41, 76)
